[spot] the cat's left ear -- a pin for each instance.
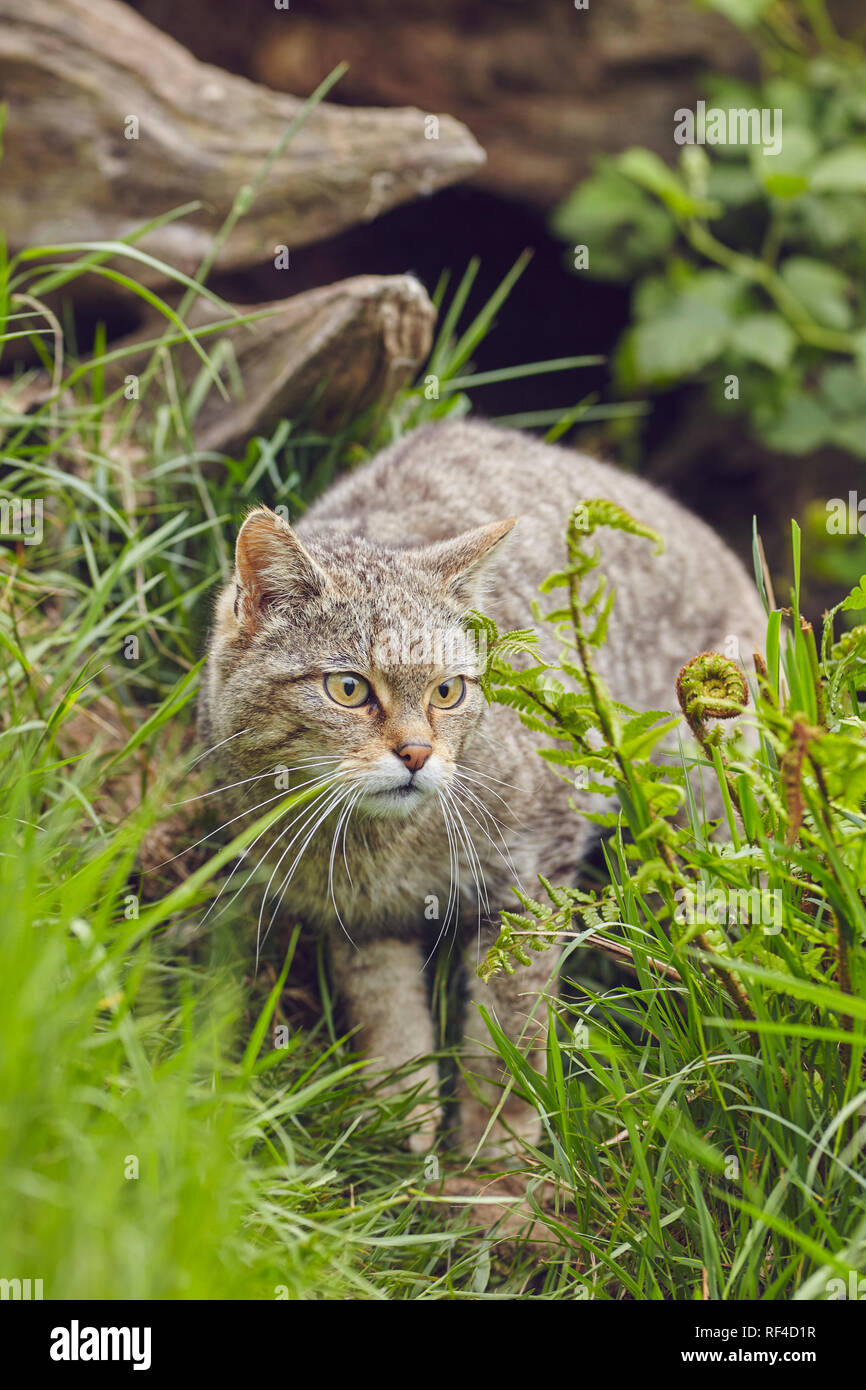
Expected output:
(462, 565)
(272, 567)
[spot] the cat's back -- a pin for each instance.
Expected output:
(446, 478)
(443, 479)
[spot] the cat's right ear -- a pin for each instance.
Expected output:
(272, 569)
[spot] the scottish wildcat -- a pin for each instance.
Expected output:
(338, 652)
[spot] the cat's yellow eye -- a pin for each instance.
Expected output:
(448, 693)
(346, 688)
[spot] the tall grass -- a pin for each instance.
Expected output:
(705, 1111)
(170, 1127)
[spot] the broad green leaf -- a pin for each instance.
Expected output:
(650, 172)
(843, 389)
(733, 184)
(785, 185)
(842, 171)
(623, 228)
(789, 172)
(820, 288)
(800, 427)
(830, 220)
(851, 435)
(719, 287)
(681, 341)
(857, 597)
(764, 338)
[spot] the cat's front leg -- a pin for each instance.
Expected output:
(515, 1002)
(382, 987)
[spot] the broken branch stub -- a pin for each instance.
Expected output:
(325, 356)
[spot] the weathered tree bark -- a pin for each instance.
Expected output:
(324, 357)
(111, 123)
(545, 86)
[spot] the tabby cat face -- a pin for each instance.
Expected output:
(341, 658)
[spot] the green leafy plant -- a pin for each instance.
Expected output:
(748, 267)
(702, 1112)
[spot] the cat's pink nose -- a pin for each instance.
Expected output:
(414, 755)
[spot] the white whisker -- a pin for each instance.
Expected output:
(480, 733)
(472, 853)
(225, 825)
(305, 808)
(342, 791)
(485, 811)
(213, 749)
(358, 796)
(343, 819)
(257, 777)
(299, 767)
(459, 841)
(470, 777)
(475, 868)
(453, 896)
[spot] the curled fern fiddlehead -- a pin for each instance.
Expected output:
(711, 686)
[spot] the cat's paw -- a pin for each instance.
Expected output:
(419, 1125)
(504, 1141)
(423, 1122)
(500, 1208)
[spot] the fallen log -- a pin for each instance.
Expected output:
(112, 123)
(324, 357)
(327, 356)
